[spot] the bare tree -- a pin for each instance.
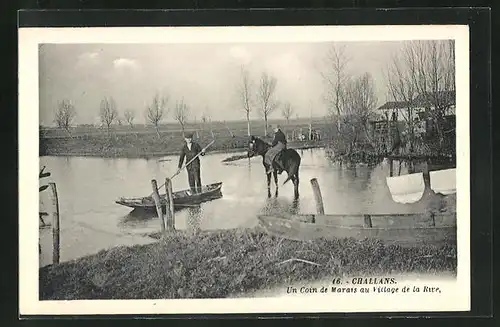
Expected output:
(64, 115)
(129, 117)
(335, 77)
(435, 78)
(266, 92)
(156, 110)
(423, 75)
(245, 90)
(287, 112)
(205, 118)
(359, 101)
(403, 91)
(365, 99)
(108, 113)
(181, 113)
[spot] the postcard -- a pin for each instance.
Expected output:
(199, 170)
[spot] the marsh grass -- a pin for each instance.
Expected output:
(147, 145)
(144, 141)
(223, 263)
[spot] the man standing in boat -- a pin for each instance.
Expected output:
(189, 151)
(278, 145)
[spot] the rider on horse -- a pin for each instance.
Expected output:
(278, 145)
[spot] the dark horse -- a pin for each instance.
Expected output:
(289, 159)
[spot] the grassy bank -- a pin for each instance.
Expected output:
(143, 141)
(224, 263)
(129, 145)
(143, 145)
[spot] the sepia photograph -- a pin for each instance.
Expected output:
(301, 169)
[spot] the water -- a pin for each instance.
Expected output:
(90, 219)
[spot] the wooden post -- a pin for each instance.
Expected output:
(156, 198)
(411, 167)
(389, 130)
(55, 224)
(317, 196)
(433, 219)
(427, 179)
(391, 167)
(367, 221)
(169, 197)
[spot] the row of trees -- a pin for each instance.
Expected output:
(421, 75)
(261, 97)
(154, 113)
(158, 109)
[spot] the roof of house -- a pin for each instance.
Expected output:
(446, 97)
(390, 105)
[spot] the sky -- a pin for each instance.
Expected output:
(206, 76)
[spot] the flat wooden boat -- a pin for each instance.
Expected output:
(182, 198)
(404, 229)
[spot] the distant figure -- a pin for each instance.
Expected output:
(315, 135)
(278, 145)
(189, 151)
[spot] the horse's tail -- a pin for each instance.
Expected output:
(294, 169)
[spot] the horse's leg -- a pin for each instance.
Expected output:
(295, 205)
(275, 174)
(295, 180)
(295, 187)
(268, 182)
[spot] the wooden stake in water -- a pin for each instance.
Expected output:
(55, 224)
(367, 221)
(317, 196)
(169, 198)
(159, 211)
(433, 219)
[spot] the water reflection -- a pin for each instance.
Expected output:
(357, 177)
(276, 205)
(141, 217)
(364, 175)
(88, 188)
(137, 216)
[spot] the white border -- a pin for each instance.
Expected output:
(456, 294)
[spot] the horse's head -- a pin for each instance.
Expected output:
(256, 146)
